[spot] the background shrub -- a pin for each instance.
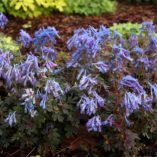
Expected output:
(31, 8)
(126, 29)
(8, 44)
(95, 7)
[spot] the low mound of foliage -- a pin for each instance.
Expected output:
(94, 7)
(8, 44)
(108, 85)
(30, 8)
(33, 8)
(126, 29)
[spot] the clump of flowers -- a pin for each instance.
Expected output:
(115, 75)
(3, 20)
(111, 80)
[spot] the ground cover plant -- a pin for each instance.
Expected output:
(30, 8)
(110, 79)
(96, 7)
(8, 44)
(126, 29)
(33, 8)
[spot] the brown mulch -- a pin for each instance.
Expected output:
(66, 24)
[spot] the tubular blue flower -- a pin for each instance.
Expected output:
(11, 119)
(98, 99)
(31, 65)
(54, 87)
(45, 36)
(85, 41)
(131, 82)
(87, 105)
(25, 38)
(48, 52)
(133, 40)
(50, 65)
(153, 89)
(138, 50)
(145, 61)
(117, 38)
(152, 46)
(131, 102)
(44, 100)
(148, 28)
(29, 77)
(94, 124)
(9, 76)
(17, 73)
(87, 81)
(101, 66)
(103, 34)
(3, 20)
(5, 58)
(122, 53)
(147, 102)
(109, 121)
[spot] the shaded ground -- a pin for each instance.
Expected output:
(65, 24)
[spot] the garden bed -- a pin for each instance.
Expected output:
(106, 81)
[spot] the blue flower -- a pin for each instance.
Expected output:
(138, 50)
(94, 124)
(117, 38)
(44, 100)
(87, 81)
(121, 53)
(87, 105)
(3, 20)
(101, 66)
(131, 82)
(29, 77)
(25, 38)
(152, 46)
(98, 99)
(29, 101)
(109, 121)
(50, 65)
(153, 89)
(148, 28)
(48, 52)
(145, 61)
(11, 119)
(85, 41)
(53, 87)
(45, 36)
(131, 102)
(133, 40)
(103, 34)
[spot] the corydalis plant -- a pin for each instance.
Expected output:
(3, 20)
(32, 77)
(125, 66)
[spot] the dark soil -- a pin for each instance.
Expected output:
(66, 24)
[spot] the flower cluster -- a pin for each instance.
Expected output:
(31, 77)
(129, 65)
(116, 77)
(3, 20)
